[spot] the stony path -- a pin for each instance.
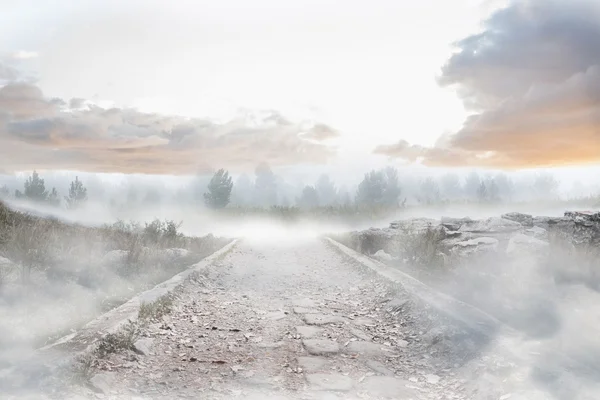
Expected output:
(289, 322)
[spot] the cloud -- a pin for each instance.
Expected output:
(37, 132)
(320, 132)
(532, 79)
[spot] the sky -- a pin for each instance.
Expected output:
(184, 86)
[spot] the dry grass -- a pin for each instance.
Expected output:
(422, 248)
(156, 309)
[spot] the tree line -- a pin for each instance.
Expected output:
(378, 188)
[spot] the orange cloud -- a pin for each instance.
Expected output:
(36, 132)
(533, 79)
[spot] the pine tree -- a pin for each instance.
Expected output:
(77, 194)
(35, 189)
(219, 190)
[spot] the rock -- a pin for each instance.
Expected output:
(143, 346)
(304, 310)
(383, 256)
(308, 331)
(322, 319)
(311, 364)
(521, 243)
(491, 226)
(102, 383)
(523, 219)
(454, 224)
(390, 388)
(321, 347)
(333, 382)
(379, 368)
(537, 232)
(365, 348)
(413, 225)
(475, 246)
(480, 241)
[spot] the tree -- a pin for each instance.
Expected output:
(265, 186)
(77, 194)
(392, 190)
(35, 190)
(371, 191)
(326, 190)
(309, 198)
(219, 190)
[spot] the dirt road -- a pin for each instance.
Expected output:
(277, 321)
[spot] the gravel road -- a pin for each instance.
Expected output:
(301, 321)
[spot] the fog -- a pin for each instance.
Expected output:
(552, 317)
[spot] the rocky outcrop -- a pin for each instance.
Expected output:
(510, 234)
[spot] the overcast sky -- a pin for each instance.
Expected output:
(179, 86)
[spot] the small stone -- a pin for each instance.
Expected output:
(365, 348)
(308, 331)
(333, 382)
(311, 364)
(321, 346)
(304, 310)
(322, 319)
(143, 346)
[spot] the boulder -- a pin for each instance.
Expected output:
(521, 243)
(492, 225)
(475, 246)
(454, 224)
(523, 219)
(537, 232)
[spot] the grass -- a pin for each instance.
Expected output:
(124, 339)
(156, 309)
